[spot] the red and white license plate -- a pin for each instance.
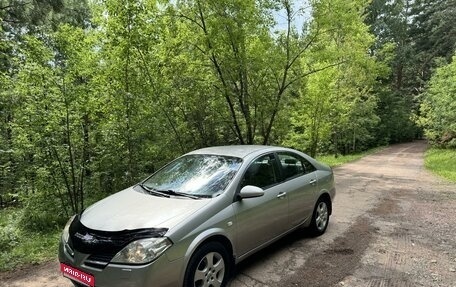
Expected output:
(77, 275)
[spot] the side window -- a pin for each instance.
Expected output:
(261, 172)
(291, 165)
(308, 166)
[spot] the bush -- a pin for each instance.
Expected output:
(9, 233)
(9, 237)
(42, 213)
(19, 247)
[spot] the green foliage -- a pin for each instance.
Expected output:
(441, 162)
(413, 38)
(396, 121)
(9, 231)
(48, 128)
(252, 73)
(336, 109)
(42, 213)
(8, 237)
(37, 14)
(438, 108)
(29, 96)
(33, 248)
(20, 247)
(433, 32)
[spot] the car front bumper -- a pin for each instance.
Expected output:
(161, 272)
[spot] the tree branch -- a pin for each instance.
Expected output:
(14, 5)
(168, 118)
(219, 71)
(313, 72)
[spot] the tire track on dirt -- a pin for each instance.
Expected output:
(340, 258)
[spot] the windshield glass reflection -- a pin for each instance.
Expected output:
(201, 175)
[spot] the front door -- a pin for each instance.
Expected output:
(261, 219)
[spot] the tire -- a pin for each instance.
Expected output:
(209, 266)
(320, 218)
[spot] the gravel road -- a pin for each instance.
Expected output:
(393, 226)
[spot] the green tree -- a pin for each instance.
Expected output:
(336, 105)
(438, 109)
(433, 37)
(18, 21)
(53, 128)
(38, 14)
(390, 22)
(255, 73)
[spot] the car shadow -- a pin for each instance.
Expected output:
(295, 239)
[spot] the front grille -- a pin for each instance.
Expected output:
(99, 260)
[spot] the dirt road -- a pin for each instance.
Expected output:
(393, 225)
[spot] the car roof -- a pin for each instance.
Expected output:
(240, 151)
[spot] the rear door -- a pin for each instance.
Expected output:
(299, 179)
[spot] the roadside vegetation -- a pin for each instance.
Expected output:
(20, 246)
(95, 95)
(442, 162)
(334, 161)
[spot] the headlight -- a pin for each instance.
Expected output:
(66, 230)
(142, 251)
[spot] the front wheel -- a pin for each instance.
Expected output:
(208, 267)
(320, 218)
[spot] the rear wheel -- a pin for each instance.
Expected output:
(320, 217)
(208, 267)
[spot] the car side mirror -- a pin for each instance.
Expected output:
(250, 191)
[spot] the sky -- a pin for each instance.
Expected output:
(302, 13)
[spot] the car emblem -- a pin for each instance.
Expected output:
(87, 238)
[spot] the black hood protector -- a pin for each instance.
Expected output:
(89, 241)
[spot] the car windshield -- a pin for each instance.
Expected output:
(200, 175)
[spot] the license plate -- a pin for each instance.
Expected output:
(77, 275)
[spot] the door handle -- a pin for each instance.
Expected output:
(281, 195)
(313, 181)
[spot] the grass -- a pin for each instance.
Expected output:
(19, 247)
(341, 159)
(441, 162)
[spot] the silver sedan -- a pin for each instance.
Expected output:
(189, 223)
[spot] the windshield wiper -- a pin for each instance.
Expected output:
(153, 191)
(178, 193)
(166, 193)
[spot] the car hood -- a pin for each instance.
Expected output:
(130, 209)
